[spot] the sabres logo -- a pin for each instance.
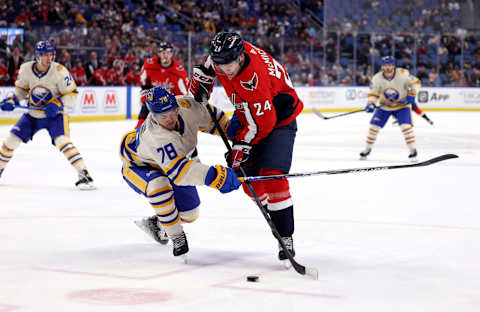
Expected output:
(251, 84)
(391, 94)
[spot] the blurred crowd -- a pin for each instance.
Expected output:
(105, 42)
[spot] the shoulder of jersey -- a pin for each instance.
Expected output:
(185, 101)
(403, 71)
(58, 67)
(27, 64)
(177, 65)
(150, 62)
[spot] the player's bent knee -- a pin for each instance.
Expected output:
(12, 141)
(190, 216)
(61, 140)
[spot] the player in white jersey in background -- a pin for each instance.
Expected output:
(157, 163)
(396, 89)
(49, 88)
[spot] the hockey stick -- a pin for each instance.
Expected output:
(30, 108)
(317, 112)
(352, 170)
(311, 272)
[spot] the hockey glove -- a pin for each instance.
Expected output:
(201, 83)
(223, 179)
(233, 126)
(410, 100)
(370, 108)
(8, 104)
(239, 154)
(52, 108)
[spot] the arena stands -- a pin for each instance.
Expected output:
(322, 43)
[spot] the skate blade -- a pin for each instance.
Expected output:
(142, 227)
(363, 157)
(286, 264)
(183, 258)
(413, 160)
(86, 187)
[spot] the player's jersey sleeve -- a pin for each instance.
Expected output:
(66, 85)
(144, 79)
(375, 89)
(182, 81)
(22, 85)
(412, 84)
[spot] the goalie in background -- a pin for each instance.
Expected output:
(49, 88)
(396, 89)
(160, 162)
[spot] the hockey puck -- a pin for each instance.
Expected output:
(252, 278)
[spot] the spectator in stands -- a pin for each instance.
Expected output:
(92, 65)
(99, 76)
(79, 74)
(4, 77)
(15, 59)
(474, 79)
(133, 76)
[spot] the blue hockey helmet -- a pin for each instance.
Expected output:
(159, 100)
(43, 47)
(388, 60)
(226, 47)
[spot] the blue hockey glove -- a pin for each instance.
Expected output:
(52, 108)
(233, 126)
(223, 179)
(8, 104)
(370, 108)
(410, 99)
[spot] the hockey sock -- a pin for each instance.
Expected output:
(407, 131)
(372, 135)
(283, 220)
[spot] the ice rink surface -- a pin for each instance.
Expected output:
(397, 240)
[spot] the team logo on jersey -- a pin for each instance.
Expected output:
(40, 96)
(251, 84)
(391, 94)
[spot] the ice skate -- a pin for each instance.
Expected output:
(1, 171)
(180, 246)
(152, 227)
(365, 153)
(85, 181)
(413, 155)
(282, 256)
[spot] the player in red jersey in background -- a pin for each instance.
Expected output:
(263, 127)
(162, 70)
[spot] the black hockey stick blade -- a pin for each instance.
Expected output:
(319, 114)
(350, 170)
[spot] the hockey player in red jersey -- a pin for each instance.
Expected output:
(162, 70)
(264, 123)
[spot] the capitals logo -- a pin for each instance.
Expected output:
(391, 94)
(251, 84)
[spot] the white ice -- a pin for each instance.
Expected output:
(396, 240)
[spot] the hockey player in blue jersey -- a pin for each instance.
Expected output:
(395, 88)
(49, 88)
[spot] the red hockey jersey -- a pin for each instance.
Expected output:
(172, 78)
(252, 92)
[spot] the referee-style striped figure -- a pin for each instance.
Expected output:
(160, 163)
(49, 88)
